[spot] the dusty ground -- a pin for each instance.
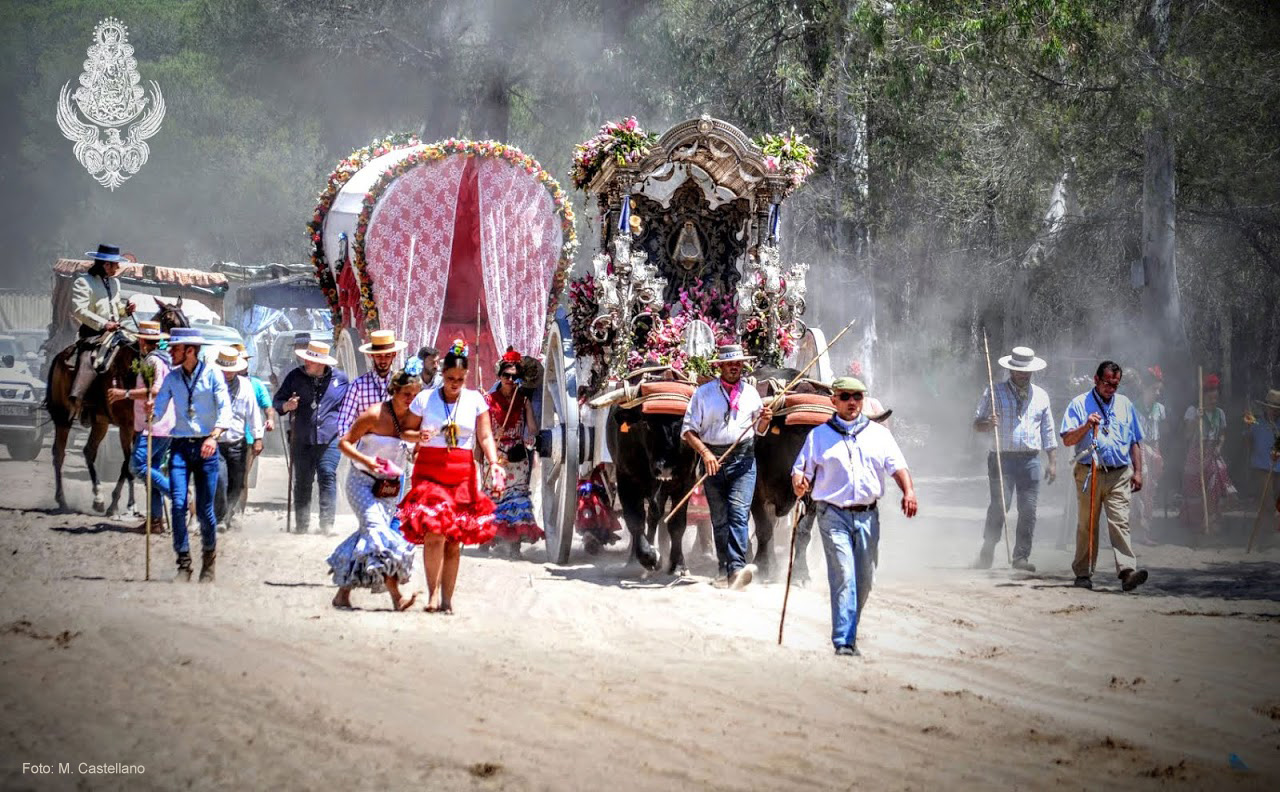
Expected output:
(587, 677)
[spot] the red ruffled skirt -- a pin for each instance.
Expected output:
(445, 499)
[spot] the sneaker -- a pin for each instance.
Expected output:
(1132, 578)
(1084, 582)
(1024, 565)
(742, 578)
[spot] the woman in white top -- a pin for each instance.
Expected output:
(446, 507)
(376, 557)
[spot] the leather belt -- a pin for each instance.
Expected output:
(857, 508)
(1106, 468)
(741, 448)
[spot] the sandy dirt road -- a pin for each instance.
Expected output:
(590, 677)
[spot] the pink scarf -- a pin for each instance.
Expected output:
(731, 395)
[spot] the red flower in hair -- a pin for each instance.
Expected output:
(511, 355)
(1156, 372)
(1211, 382)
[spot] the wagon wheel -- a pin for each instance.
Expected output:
(559, 445)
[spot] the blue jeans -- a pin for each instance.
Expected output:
(849, 540)
(318, 463)
(729, 500)
(185, 462)
(159, 481)
(1021, 473)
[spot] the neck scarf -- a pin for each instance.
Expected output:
(1020, 395)
(731, 396)
(849, 428)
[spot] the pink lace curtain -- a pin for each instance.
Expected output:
(520, 240)
(422, 203)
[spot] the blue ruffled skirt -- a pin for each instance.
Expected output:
(374, 551)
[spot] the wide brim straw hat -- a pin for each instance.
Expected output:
(229, 359)
(149, 330)
(1272, 400)
(1022, 359)
(730, 353)
(186, 336)
(316, 352)
(382, 342)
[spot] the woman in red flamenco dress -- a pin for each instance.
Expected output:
(446, 506)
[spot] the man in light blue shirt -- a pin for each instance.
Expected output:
(1025, 429)
(844, 463)
(202, 412)
(1103, 426)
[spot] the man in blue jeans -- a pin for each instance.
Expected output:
(313, 394)
(844, 462)
(1027, 427)
(202, 412)
(149, 337)
(720, 413)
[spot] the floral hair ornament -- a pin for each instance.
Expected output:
(1157, 373)
(511, 356)
(413, 367)
(458, 348)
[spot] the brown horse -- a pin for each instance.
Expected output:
(96, 413)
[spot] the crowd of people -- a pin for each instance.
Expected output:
(414, 435)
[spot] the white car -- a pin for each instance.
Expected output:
(23, 421)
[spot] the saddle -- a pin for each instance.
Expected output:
(103, 348)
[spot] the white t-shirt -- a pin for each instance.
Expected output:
(435, 414)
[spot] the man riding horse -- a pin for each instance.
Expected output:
(99, 307)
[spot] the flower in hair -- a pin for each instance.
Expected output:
(459, 347)
(413, 367)
(511, 355)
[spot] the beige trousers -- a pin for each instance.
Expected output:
(1113, 492)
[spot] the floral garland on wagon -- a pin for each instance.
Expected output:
(790, 154)
(622, 141)
(468, 148)
(340, 175)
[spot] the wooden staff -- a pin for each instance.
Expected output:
(148, 475)
(786, 594)
(1262, 507)
(1204, 489)
(288, 464)
(995, 426)
(1093, 507)
(751, 426)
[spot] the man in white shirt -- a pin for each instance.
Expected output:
(232, 445)
(844, 462)
(1027, 427)
(720, 413)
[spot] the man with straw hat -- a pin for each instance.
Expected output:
(1262, 434)
(722, 412)
(263, 397)
(370, 388)
(202, 412)
(843, 463)
(246, 423)
(99, 307)
(149, 338)
(312, 393)
(1103, 426)
(1025, 424)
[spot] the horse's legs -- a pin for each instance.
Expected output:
(763, 516)
(60, 436)
(126, 476)
(96, 433)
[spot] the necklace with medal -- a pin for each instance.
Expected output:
(190, 384)
(322, 385)
(450, 427)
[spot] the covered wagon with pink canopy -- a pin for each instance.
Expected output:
(459, 239)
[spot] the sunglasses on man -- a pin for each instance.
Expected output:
(846, 396)
(507, 375)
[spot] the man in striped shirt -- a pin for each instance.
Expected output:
(1026, 428)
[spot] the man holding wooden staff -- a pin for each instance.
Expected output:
(149, 337)
(1025, 424)
(721, 413)
(844, 462)
(1104, 423)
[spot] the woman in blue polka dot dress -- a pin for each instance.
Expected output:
(377, 557)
